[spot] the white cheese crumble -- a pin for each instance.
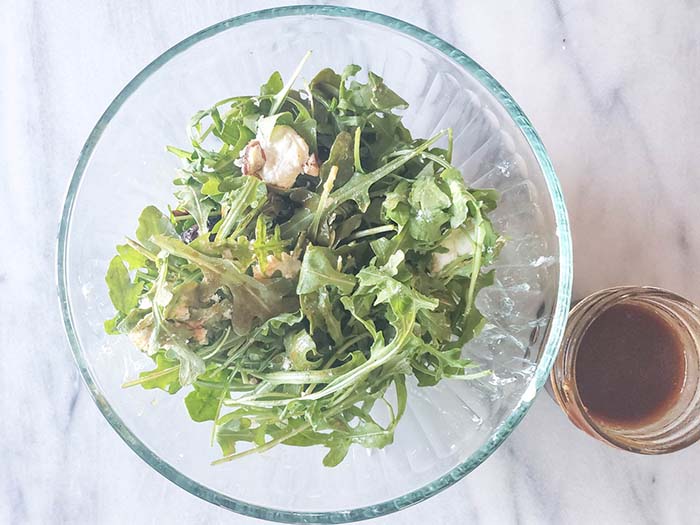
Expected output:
(285, 154)
(458, 243)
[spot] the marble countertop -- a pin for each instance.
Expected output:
(611, 87)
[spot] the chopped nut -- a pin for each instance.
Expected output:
(198, 331)
(252, 159)
(287, 264)
(140, 335)
(311, 166)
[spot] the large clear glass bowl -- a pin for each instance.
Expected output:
(449, 429)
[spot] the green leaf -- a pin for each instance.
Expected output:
(370, 435)
(324, 375)
(306, 128)
(317, 308)
(396, 207)
(338, 449)
(153, 222)
(347, 227)
(110, 325)
(191, 364)
(341, 155)
(181, 153)
(273, 86)
(383, 98)
(134, 259)
(211, 186)
(164, 376)
(243, 203)
(321, 207)
(425, 193)
(265, 245)
(276, 327)
(459, 196)
(355, 96)
(300, 221)
(437, 324)
(428, 203)
(203, 404)
(487, 198)
(317, 271)
(470, 321)
(301, 349)
(383, 134)
(326, 83)
(123, 293)
(232, 428)
(198, 206)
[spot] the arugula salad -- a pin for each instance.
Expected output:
(316, 256)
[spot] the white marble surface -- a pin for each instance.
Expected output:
(611, 86)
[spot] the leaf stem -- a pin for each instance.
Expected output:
(371, 231)
(149, 377)
(279, 97)
(356, 149)
(139, 248)
(323, 202)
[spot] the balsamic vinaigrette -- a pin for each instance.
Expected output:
(630, 366)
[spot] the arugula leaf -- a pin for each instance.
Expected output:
(123, 293)
(458, 194)
(326, 83)
(203, 402)
(382, 133)
(341, 155)
(244, 202)
(133, 258)
(252, 299)
(274, 85)
(153, 222)
(299, 347)
(487, 198)
(317, 308)
(436, 324)
(338, 449)
(317, 271)
(191, 365)
(164, 376)
(110, 325)
(357, 188)
(428, 205)
(383, 98)
(231, 429)
(195, 203)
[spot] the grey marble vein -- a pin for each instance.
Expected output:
(610, 86)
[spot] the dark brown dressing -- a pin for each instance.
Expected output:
(630, 366)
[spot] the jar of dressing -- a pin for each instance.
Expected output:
(628, 372)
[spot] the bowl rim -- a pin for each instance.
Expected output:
(555, 328)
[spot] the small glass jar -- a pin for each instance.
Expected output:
(679, 426)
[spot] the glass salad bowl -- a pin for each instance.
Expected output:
(449, 429)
